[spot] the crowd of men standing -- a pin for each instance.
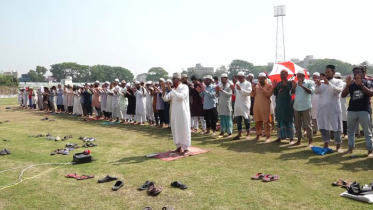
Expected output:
(300, 107)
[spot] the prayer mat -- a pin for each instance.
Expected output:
(363, 198)
(92, 119)
(192, 151)
(109, 123)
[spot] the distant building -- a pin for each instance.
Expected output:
(201, 70)
(141, 77)
(270, 64)
(24, 78)
(50, 79)
(12, 73)
(303, 63)
(67, 81)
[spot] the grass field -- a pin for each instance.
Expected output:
(219, 179)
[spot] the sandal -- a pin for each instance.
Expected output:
(74, 175)
(167, 208)
(339, 183)
(157, 191)
(269, 178)
(258, 176)
(85, 177)
(151, 189)
(146, 185)
(178, 184)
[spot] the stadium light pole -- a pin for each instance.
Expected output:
(280, 11)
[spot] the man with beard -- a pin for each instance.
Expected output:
(160, 103)
(149, 103)
(250, 78)
(303, 91)
(131, 108)
(284, 110)
(180, 116)
(209, 105)
(359, 108)
(140, 95)
(329, 114)
(262, 93)
(224, 93)
(196, 105)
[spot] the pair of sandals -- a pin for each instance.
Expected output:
(89, 145)
(151, 188)
(5, 152)
(71, 145)
(265, 177)
(77, 177)
(356, 189)
(164, 208)
(61, 151)
(342, 183)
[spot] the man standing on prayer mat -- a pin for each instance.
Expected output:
(329, 114)
(180, 113)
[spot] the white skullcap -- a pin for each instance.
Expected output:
(97, 81)
(184, 76)
(204, 78)
(177, 75)
(251, 74)
(123, 81)
(224, 75)
(208, 77)
(108, 83)
(156, 83)
(151, 88)
(161, 79)
(241, 73)
(128, 85)
(116, 80)
(148, 82)
(170, 81)
(262, 74)
(137, 83)
(337, 74)
(316, 74)
(301, 72)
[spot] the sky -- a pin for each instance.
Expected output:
(177, 34)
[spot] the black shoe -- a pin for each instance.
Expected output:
(107, 179)
(2, 152)
(7, 151)
(178, 184)
(146, 185)
(118, 185)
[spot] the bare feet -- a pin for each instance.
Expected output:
(247, 138)
(340, 150)
(310, 145)
(278, 140)
(370, 155)
(257, 138)
(268, 140)
(349, 151)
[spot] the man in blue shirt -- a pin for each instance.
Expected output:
(359, 109)
(303, 90)
(209, 105)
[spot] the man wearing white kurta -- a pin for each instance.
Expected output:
(315, 105)
(149, 103)
(123, 101)
(116, 103)
(25, 97)
(140, 104)
(343, 107)
(180, 113)
(242, 91)
(104, 95)
(329, 115)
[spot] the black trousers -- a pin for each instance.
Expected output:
(211, 117)
(98, 109)
(88, 107)
(161, 116)
(156, 118)
(344, 124)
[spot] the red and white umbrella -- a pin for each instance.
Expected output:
(290, 67)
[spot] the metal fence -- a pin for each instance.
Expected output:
(8, 92)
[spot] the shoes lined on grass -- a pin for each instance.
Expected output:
(270, 178)
(118, 184)
(178, 184)
(146, 185)
(107, 179)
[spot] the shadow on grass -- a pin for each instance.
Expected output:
(131, 160)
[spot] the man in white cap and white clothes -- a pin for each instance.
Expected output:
(116, 103)
(140, 104)
(329, 115)
(343, 107)
(20, 96)
(123, 101)
(303, 90)
(160, 103)
(315, 105)
(25, 97)
(149, 103)
(224, 93)
(242, 90)
(104, 95)
(180, 113)
(209, 105)
(262, 106)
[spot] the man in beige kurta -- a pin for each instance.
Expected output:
(262, 93)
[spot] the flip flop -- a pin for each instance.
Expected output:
(167, 208)
(258, 176)
(118, 185)
(178, 184)
(157, 191)
(338, 183)
(74, 175)
(146, 185)
(270, 178)
(85, 177)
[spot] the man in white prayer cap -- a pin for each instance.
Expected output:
(303, 90)
(343, 107)
(315, 104)
(224, 92)
(149, 103)
(160, 104)
(140, 95)
(262, 93)
(180, 113)
(329, 115)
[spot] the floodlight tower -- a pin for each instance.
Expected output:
(280, 12)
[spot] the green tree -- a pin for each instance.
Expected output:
(37, 75)
(155, 73)
(258, 69)
(318, 65)
(221, 70)
(108, 73)
(79, 73)
(8, 80)
(239, 65)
